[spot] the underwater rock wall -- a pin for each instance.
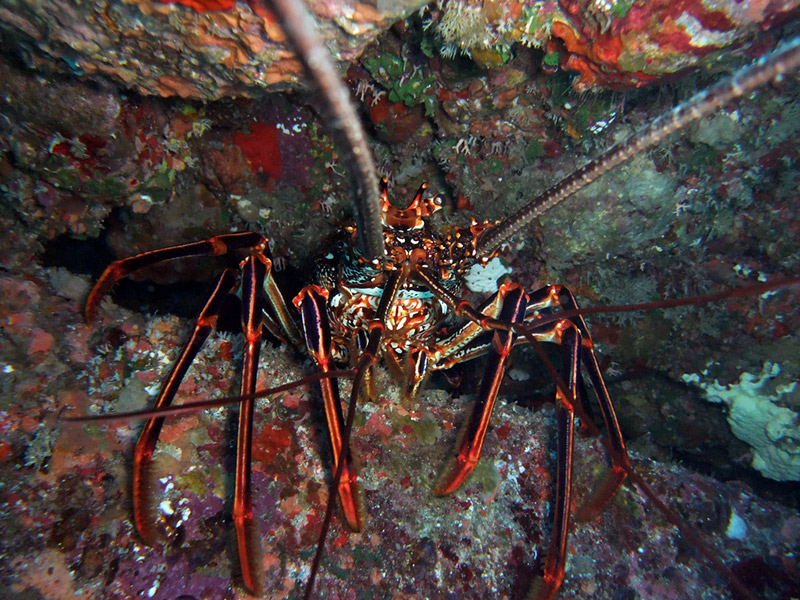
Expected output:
(95, 164)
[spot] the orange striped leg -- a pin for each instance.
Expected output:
(248, 541)
(546, 586)
(255, 269)
(470, 441)
(620, 464)
(216, 246)
(312, 304)
(143, 508)
(366, 360)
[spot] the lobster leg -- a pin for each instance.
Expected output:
(312, 304)
(280, 309)
(468, 450)
(450, 351)
(251, 243)
(576, 345)
(541, 302)
(546, 586)
(620, 465)
(368, 357)
(462, 345)
(254, 270)
(143, 509)
(559, 296)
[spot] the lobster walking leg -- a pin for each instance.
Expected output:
(254, 271)
(546, 586)
(457, 348)
(250, 251)
(248, 242)
(470, 443)
(576, 345)
(143, 508)
(312, 304)
(560, 297)
(365, 361)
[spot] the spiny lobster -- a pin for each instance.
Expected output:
(383, 292)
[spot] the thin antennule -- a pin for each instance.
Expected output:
(345, 126)
(769, 67)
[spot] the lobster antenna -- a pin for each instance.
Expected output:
(345, 126)
(770, 66)
(191, 408)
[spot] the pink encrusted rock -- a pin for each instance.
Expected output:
(41, 341)
(629, 44)
(615, 44)
(191, 49)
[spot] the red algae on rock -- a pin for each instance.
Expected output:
(260, 146)
(202, 6)
(617, 44)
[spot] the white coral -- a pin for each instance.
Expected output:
(755, 417)
(483, 278)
